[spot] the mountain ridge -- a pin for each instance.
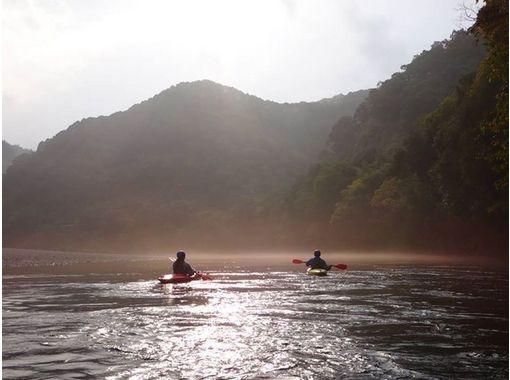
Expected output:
(10, 152)
(198, 152)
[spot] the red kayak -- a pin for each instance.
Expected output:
(181, 278)
(177, 278)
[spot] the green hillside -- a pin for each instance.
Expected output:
(423, 163)
(191, 164)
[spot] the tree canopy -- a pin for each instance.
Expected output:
(421, 161)
(198, 159)
(429, 148)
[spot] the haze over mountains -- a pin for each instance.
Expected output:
(9, 153)
(187, 159)
(420, 162)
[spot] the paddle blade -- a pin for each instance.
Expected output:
(340, 266)
(205, 277)
(297, 261)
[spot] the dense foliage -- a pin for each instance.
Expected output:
(419, 162)
(192, 165)
(430, 151)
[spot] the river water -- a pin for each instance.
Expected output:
(70, 316)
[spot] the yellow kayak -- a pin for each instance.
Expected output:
(317, 272)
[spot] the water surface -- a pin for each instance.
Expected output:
(379, 321)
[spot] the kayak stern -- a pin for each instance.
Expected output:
(317, 272)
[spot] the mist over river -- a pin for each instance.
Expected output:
(82, 316)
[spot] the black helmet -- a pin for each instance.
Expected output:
(316, 253)
(181, 254)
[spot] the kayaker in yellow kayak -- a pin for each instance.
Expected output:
(181, 267)
(316, 262)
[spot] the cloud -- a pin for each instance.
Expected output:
(66, 60)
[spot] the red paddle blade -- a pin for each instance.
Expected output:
(297, 261)
(205, 277)
(340, 266)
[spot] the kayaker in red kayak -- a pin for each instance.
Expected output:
(182, 267)
(316, 262)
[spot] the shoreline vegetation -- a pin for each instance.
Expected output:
(419, 163)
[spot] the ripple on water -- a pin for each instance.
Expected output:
(381, 323)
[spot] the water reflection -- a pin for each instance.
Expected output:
(378, 323)
(181, 295)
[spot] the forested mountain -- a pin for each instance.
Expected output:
(193, 164)
(9, 153)
(424, 160)
(380, 123)
(420, 162)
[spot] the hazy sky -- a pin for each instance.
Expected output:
(63, 60)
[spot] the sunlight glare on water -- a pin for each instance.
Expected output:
(371, 322)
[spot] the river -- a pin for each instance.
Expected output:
(83, 316)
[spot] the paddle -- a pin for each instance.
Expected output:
(339, 266)
(204, 277)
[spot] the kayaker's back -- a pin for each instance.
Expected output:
(317, 263)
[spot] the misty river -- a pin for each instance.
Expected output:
(79, 316)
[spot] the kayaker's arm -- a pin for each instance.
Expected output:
(188, 269)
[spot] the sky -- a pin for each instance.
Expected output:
(65, 60)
